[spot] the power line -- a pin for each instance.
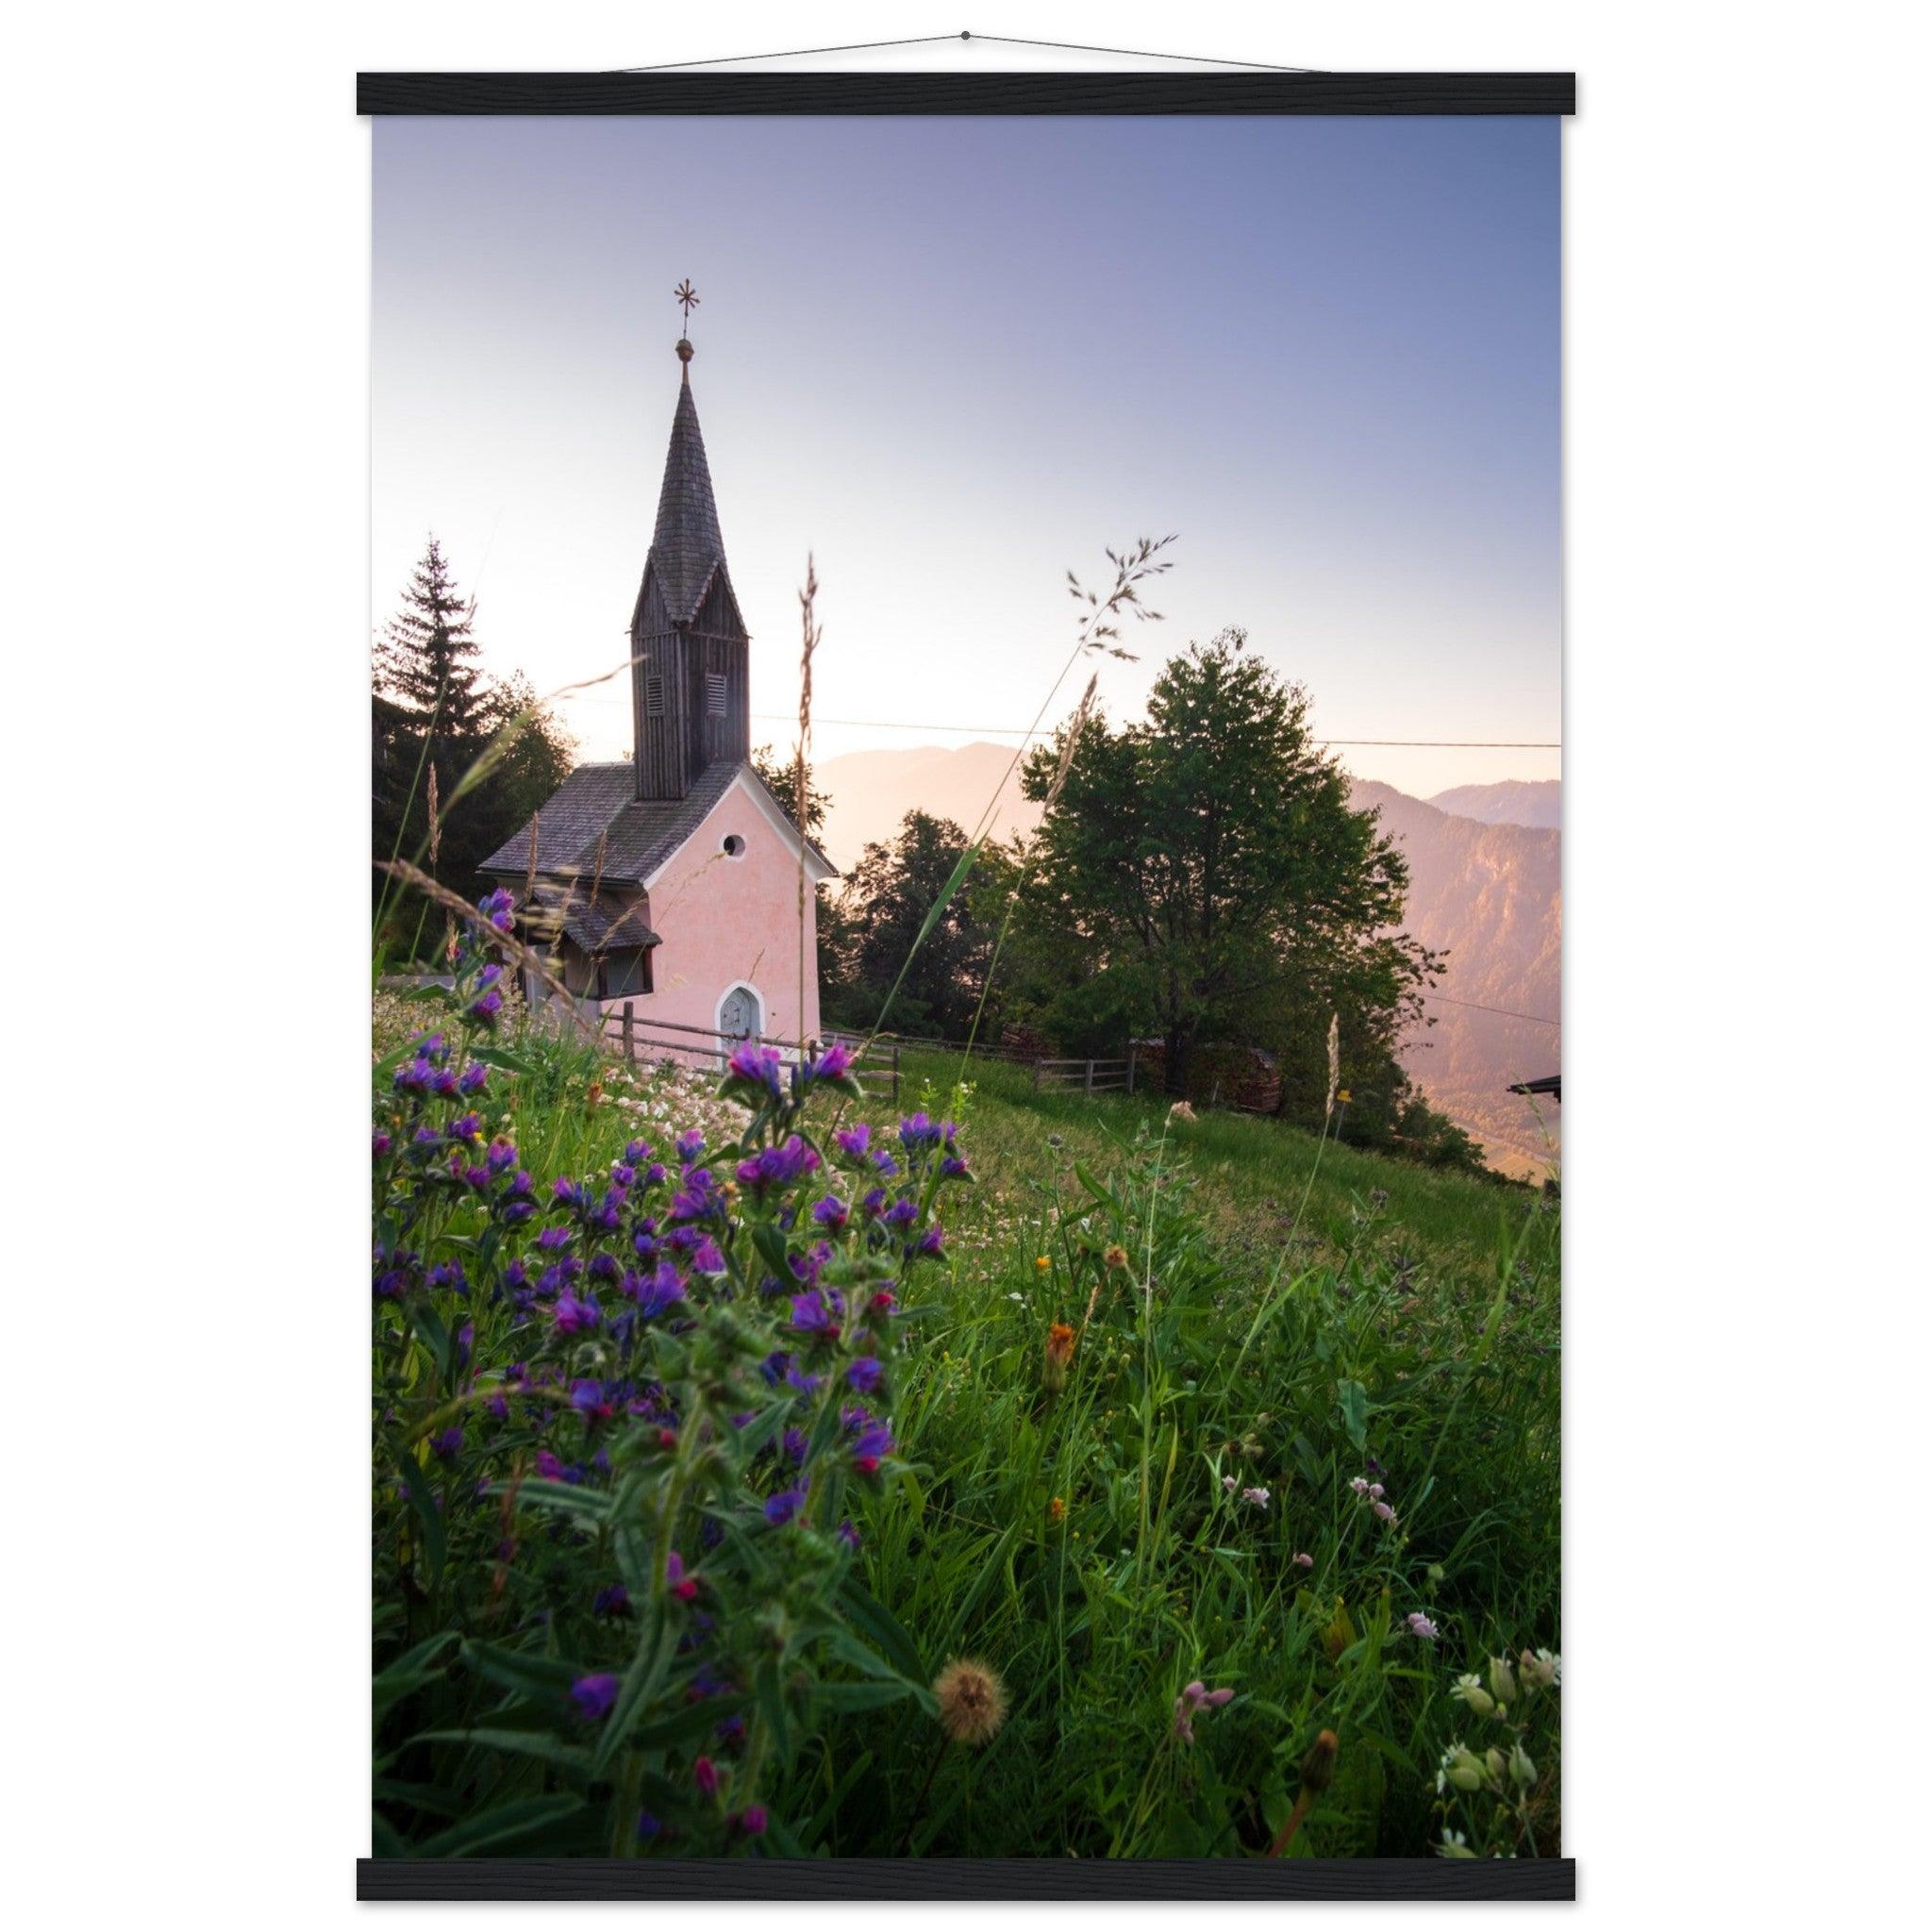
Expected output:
(1535, 1018)
(1015, 731)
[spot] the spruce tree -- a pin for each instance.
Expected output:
(426, 658)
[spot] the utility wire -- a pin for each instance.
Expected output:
(1535, 1018)
(1016, 732)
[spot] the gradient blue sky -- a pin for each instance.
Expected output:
(955, 359)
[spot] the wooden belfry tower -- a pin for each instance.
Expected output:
(690, 673)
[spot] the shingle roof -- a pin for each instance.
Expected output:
(686, 546)
(641, 833)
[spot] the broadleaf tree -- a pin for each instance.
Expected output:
(1203, 878)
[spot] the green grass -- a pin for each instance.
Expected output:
(1406, 1315)
(1254, 1171)
(1421, 1331)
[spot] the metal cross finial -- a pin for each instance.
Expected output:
(686, 294)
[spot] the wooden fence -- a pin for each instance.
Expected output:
(1084, 1077)
(657, 1041)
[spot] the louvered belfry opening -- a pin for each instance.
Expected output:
(690, 677)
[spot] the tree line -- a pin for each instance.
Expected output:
(1200, 881)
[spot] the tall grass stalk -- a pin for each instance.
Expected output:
(1098, 630)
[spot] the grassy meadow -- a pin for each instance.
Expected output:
(1232, 1453)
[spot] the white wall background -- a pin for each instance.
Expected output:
(1746, 512)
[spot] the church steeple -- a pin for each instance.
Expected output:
(691, 671)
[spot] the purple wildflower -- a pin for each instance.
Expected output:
(782, 1507)
(865, 1373)
(589, 1401)
(756, 1066)
(777, 1167)
(814, 1313)
(656, 1291)
(833, 1064)
(576, 1315)
(1196, 1698)
(871, 1441)
(682, 1587)
(699, 1198)
(594, 1695)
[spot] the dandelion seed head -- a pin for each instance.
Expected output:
(971, 1701)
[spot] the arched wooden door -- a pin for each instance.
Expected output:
(741, 1014)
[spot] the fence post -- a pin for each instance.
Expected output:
(895, 1076)
(1090, 1076)
(1036, 1077)
(627, 1006)
(1130, 1066)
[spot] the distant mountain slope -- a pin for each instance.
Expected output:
(1492, 896)
(872, 791)
(1537, 802)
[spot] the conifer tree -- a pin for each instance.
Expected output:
(435, 715)
(426, 658)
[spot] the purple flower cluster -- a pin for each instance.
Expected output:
(710, 1336)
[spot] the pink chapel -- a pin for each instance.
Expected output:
(670, 881)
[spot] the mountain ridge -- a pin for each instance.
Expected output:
(1534, 802)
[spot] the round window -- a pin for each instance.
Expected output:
(734, 845)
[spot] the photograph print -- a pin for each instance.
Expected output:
(966, 932)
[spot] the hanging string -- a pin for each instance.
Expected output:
(1139, 53)
(997, 39)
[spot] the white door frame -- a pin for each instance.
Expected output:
(718, 1014)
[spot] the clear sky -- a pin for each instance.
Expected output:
(955, 358)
